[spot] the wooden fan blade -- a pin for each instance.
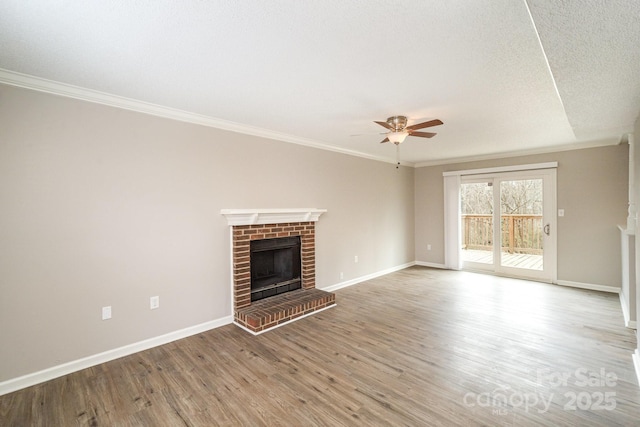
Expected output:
(384, 140)
(385, 125)
(423, 134)
(423, 125)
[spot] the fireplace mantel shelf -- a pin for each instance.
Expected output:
(271, 216)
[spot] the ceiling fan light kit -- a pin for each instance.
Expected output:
(399, 131)
(397, 137)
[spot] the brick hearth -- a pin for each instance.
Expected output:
(273, 311)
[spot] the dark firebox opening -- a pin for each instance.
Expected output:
(275, 266)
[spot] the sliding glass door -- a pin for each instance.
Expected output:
(477, 223)
(507, 223)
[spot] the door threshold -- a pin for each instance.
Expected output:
(510, 276)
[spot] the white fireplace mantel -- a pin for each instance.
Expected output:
(271, 216)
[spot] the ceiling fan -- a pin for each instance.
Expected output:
(399, 130)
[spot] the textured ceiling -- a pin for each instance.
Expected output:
(505, 76)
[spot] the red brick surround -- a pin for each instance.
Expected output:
(243, 234)
(272, 311)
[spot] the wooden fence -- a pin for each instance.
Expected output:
(521, 234)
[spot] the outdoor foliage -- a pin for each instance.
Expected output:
(516, 197)
(521, 215)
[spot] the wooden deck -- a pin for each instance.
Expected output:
(532, 262)
(418, 347)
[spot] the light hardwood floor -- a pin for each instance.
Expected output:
(417, 347)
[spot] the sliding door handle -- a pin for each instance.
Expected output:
(547, 229)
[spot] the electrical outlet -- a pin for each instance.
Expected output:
(560, 212)
(341, 275)
(428, 247)
(106, 313)
(154, 302)
(355, 259)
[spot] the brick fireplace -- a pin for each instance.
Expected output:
(249, 225)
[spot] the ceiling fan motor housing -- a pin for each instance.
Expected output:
(397, 122)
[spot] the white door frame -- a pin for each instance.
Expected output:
(453, 258)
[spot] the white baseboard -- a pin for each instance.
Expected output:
(86, 362)
(625, 308)
(632, 324)
(431, 264)
(636, 363)
(589, 286)
(346, 283)
(34, 378)
(96, 359)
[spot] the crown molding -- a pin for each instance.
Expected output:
(499, 169)
(39, 84)
(509, 154)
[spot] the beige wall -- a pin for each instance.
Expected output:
(102, 206)
(592, 188)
